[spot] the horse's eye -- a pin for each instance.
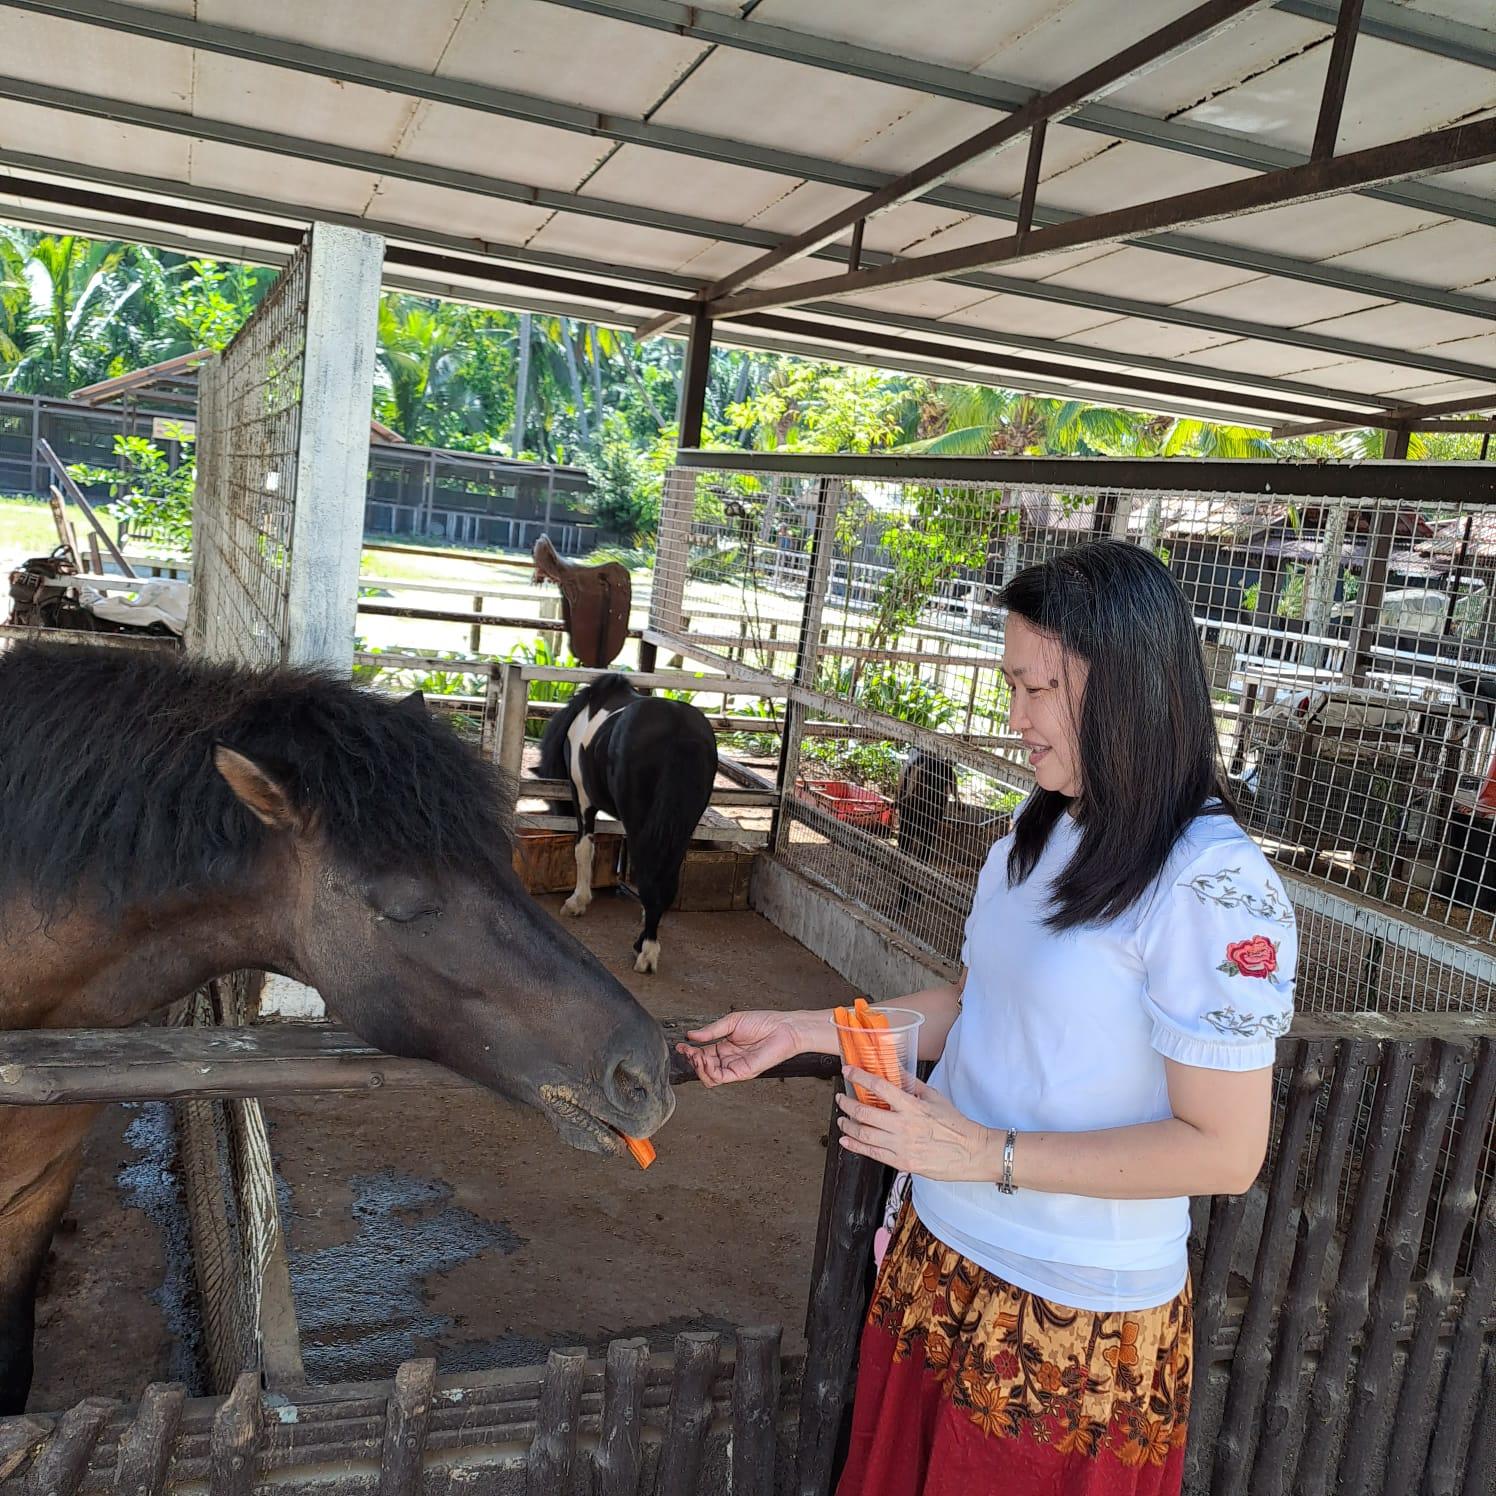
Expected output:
(404, 914)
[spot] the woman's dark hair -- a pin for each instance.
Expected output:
(1149, 756)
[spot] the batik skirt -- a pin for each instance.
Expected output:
(969, 1385)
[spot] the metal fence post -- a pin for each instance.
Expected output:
(807, 651)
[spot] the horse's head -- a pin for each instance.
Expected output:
(412, 925)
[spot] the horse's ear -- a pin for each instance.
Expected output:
(257, 789)
(415, 704)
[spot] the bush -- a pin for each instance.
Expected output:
(152, 500)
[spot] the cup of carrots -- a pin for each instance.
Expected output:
(880, 1041)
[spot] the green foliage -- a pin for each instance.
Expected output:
(875, 764)
(625, 500)
(151, 498)
(892, 691)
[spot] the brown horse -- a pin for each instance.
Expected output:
(163, 823)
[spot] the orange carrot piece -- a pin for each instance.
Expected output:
(880, 1050)
(855, 1052)
(641, 1148)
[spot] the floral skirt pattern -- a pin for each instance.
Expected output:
(967, 1384)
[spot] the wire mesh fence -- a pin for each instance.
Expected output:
(1349, 644)
(249, 429)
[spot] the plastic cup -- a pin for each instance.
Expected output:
(896, 1048)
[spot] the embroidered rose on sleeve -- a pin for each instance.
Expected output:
(1257, 957)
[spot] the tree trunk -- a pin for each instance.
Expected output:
(522, 385)
(1319, 586)
(574, 374)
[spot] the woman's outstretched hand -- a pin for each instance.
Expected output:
(740, 1046)
(920, 1133)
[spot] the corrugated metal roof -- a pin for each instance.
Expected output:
(631, 152)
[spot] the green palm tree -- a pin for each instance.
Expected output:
(76, 295)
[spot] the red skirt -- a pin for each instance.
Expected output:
(967, 1384)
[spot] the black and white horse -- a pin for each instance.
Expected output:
(650, 763)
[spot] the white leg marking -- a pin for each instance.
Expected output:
(577, 904)
(649, 956)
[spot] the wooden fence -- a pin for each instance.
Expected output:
(1346, 1308)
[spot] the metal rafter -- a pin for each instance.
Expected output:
(554, 286)
(1251, 261)
(1203, 141)
(1132, 62)
(1337, 79)
(92, 201)
(1465, 145)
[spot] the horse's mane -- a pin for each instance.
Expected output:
(109, 786)
(553, 740)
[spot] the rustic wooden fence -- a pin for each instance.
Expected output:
(1345, 1331)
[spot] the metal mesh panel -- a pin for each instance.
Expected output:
(249, 429)
(1350, 648)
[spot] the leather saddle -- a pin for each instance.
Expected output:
(595, 603)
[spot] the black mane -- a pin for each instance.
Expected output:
(108, 787)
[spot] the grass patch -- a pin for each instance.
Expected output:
(26, 529)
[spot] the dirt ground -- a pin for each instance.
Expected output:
(456, 1227)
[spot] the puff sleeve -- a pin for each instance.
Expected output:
(1219, 947)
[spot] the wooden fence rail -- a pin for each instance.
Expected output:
(1346, 1306)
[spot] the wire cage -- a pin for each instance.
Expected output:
(1348, 642)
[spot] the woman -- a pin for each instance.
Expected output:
(1105, 1054)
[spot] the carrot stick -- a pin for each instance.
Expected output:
(880, 1050)
(855, 1053)
(641, 1148)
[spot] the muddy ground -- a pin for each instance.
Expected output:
(455, 1227)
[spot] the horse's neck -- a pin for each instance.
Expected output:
(86, 970)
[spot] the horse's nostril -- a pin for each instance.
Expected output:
(626, 1087)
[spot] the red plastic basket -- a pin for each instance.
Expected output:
(853, 803)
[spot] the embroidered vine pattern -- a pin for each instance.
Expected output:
(1220, 888)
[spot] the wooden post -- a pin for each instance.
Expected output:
(493, 708)
(1226, 1212)
(1419, 1397)
(550, 607)
(755, 1411)
(553, 1451)
(1251, 1362)
(406, 1420)
(807, 653)
(475, 632)
(62, 1465)
(146, 1448)
(1316, 1232)
(1372, 1403)
(1462, 1375)
(236, 1439)
(18, 1437)
(690, 1413)
(512, 707)
(620, 1454)
(691, 410)
(1329, 1396)
(838, 1304)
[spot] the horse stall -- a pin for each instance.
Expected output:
(299, 1379)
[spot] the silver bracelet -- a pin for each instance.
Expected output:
(1005, 1184)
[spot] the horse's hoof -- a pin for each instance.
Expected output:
(575, 907)
(649, 956)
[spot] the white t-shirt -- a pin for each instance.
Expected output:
(1067, 1031)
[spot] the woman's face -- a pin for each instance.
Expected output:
(1048, 685)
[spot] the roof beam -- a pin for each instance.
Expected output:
(1471, 144)
(1337, 79)
(931, 346)
(142, 188)
(1205, 141)
(1405, 27)
(855, 61)
(1131, 62)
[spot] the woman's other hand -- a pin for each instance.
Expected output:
(920, 1132)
